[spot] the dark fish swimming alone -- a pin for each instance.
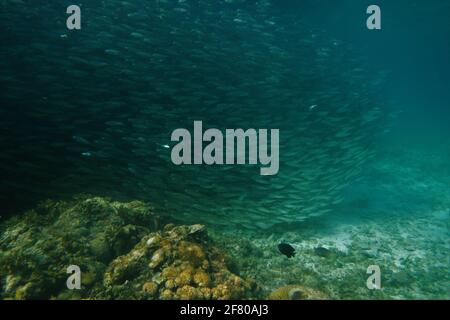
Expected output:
(286, 249)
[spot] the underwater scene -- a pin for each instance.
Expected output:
(225, 150)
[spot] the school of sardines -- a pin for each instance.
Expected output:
(91, 111)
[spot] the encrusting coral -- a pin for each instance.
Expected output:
(120, 253)
(179, 262)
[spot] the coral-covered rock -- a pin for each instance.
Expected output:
(150, 288)
(37, 247)
(120, 252)
(180, 262)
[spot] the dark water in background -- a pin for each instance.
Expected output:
(413, 47)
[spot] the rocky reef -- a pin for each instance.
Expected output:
(127, 251)
(123, 252)
(180, 262)
(37, 247)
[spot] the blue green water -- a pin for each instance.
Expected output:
(363, 118)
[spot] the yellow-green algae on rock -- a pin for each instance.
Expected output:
(122, 250)
(180, 262)
(37, 247)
